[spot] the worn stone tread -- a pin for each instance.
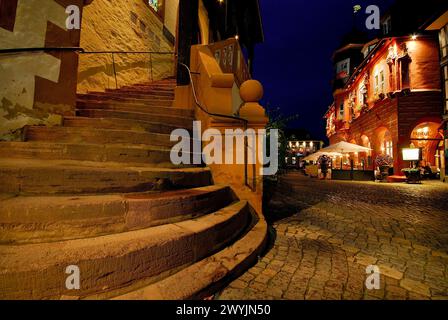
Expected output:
(112, 261)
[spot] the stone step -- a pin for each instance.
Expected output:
(141, 108)
(30, 176)
(168, 119)
(162, 87)
(122, 124)
(131, 155)
(143, 92)
(97, 136)
(34, 219)
(119, 99)
(138, 95)
(149, 87)
(107, 263)
(203, 278)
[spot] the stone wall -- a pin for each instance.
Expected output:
(36, 87)
(122, 25)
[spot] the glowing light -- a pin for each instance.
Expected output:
(356, 8)
(414, 37)
(237, 37)
(220, 1)
(411, 154)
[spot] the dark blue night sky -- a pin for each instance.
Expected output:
(294, 63)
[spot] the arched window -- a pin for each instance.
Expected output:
(387, 146)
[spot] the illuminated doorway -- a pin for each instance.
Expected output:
(427, 137)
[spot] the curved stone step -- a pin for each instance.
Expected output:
(121, 124)
(37, 271)
(135, 107)
(131, 155)
(119, 99)
(161, 86)
(172, 120)
(143, 92)
(78, 177)
(97, 136)
(28, 219)
(150, 88)
(204, 277)
(128, 95)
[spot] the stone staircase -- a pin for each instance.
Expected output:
(100, 192)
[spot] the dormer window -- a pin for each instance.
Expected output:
(343, 69)
(341, 110)
(379, 82)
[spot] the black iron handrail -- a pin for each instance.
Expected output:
(82, 51)
(33, 49)
(79, 49)
(245, 122)
(129, 52)
(113, 53)
(196, 100)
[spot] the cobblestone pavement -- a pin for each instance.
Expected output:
(327, 232)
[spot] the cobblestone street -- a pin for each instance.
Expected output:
(327, 232)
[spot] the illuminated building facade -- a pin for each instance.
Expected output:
(440, 24)
(391, 99)
(298, 149)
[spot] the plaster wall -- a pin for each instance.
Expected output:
(36, 87)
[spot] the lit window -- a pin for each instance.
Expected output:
(443, 40)
(341, 110)
(157, 7)
(379, 82)
(154, 4)
(445, 78)
(388, 148)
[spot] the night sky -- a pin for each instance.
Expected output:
(294, 62)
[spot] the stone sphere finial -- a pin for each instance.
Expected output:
(251, 91)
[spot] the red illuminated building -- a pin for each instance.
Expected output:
(390, 100)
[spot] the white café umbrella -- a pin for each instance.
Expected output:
(316, 155)
(345, 147)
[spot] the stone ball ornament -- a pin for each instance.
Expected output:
(251, 91)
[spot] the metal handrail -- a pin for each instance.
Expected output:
(245, 122)
(17, 50)
(129, 52)
(196, 100)
(82, 51)
(113, 53)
